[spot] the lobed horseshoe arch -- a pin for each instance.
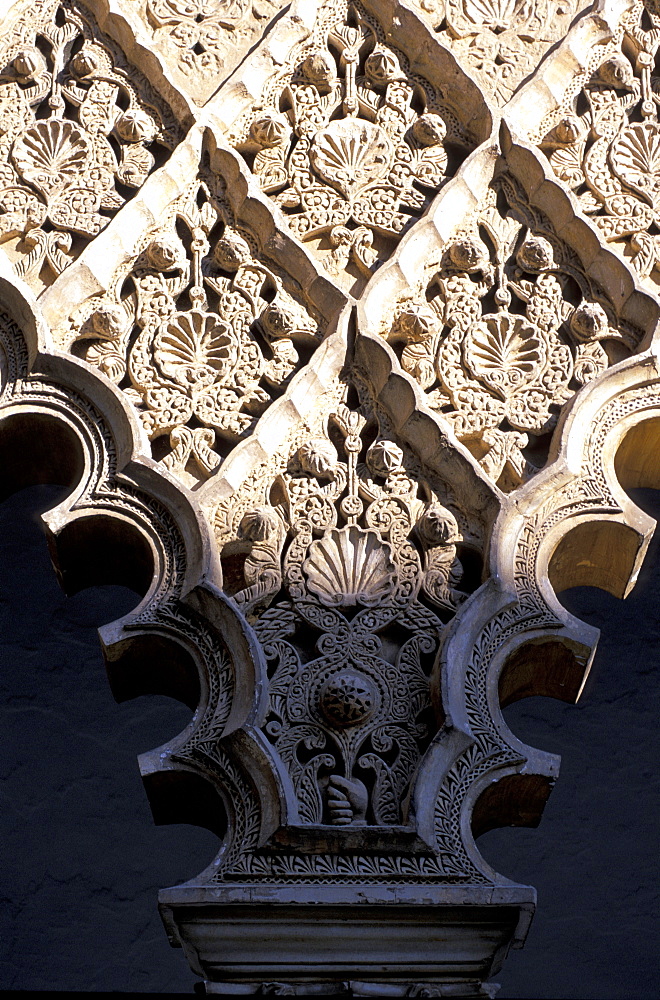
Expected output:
(158, 545)
(309, 347)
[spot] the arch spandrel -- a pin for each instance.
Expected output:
(82, 129)
(501, 45)
(309, 460)
(354, 130)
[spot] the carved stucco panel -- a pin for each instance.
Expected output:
(367, 532)
(504, 320)
(200, 323)
(347, 368)
(500, 42)
(598, 127)
(201, 41)
(351, 138)
(81, 130)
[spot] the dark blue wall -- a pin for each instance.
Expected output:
(82, 861)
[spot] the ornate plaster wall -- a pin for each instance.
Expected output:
(339, 322)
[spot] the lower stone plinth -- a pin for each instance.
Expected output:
(347, 940)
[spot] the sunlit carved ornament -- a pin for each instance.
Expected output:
(207, 38)
(500, 41)
(348, 142)
(77, 130)
(609, 154)
(200, 335)
(501, 375)
(360, 552)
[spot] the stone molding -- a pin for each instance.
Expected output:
(333, 336)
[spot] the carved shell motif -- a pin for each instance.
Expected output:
(195, 349)
(349, 566)
(51, 154)
(351, 154)
(635, 159)
(504, 351)
(496, 14)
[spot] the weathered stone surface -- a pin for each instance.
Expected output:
(347, 385)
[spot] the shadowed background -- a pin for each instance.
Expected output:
(82, 860)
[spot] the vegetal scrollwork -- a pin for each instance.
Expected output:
(351, 145)
(205, 38)
(501, 41)
(508, 328)
(608, 150)
(77, 130)
(202, 332)
(356, 548)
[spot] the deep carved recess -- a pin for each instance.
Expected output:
(339, 381)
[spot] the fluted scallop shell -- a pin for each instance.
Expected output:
(351, 154)
(504, 351)
(195, 346)
(635, 158)
(349, 566)
(51, 153)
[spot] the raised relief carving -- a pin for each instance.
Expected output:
(80, 131)
(206, 39)
(354, 546)
(606, 146)
(346, 681)
(349, 143)
(198, 332)
(508, 327)
(500, 41)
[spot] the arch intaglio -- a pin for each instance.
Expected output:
(339, 319)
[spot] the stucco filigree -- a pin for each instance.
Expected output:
(80, 131)
(500, 41)
(198, 331)
(505, 330)
(349, 142)
(358, 539)
(341, 382)
(204, 40)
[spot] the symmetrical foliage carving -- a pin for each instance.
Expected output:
(509, 326)
(199, 332)
(328, 473)
(606, 147)
(348, 142)
(79, 129)
(500, 41)
(362, 547)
